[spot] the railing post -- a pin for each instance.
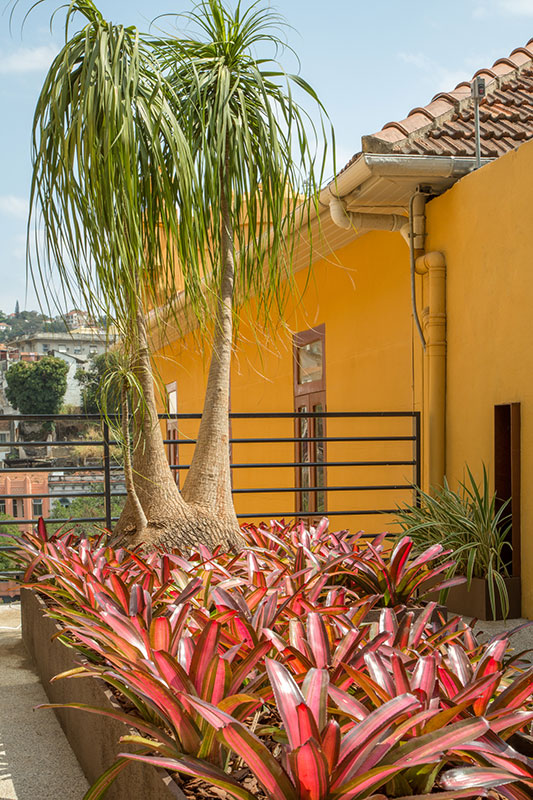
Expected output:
(107, 477)
(418, 455)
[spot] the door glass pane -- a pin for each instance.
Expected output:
(305, 472)
(320, 470)
(172, 401)
(310, 362)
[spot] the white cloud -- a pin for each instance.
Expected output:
(521, 8)
(27, 59)
(441, 78)
(14, 206)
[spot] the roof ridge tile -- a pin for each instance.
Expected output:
(448, 117)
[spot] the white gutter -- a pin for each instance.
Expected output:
(363, 222)
(371, 165)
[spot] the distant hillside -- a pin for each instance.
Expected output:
(25, 322)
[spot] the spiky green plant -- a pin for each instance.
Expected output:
(469, 522)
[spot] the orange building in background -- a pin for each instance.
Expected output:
(14, 501)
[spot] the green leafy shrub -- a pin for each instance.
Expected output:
(468, 523)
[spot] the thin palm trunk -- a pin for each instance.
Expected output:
(170, 520)
(139, 515)
(208, 482)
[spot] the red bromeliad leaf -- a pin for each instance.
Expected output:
(106, 779)
(160, 633)
(399, 557)
(307, 727)
(508, 723)
(310, 771)
(288, 698)
(492, 660)
(315, 690)
(331, 743)
(419, 626)
(424, 678)
(374, 691)
(318, 640)
(515, 694)
(128, 719)
(121, 592)
(164, 703)
(460, 663)
(428, 747)
(172, 672)
(474, 777)
(347, 703)
(246, 665)
(401, 679)
(379, 673)
(365, 784)
(41, 529)
(362, 737)
(216, 680)
(259, 759)
(198, 769)
(204, 649)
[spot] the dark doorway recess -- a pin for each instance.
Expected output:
(507, 471)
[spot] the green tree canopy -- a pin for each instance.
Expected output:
(37, 387)
(92, 380)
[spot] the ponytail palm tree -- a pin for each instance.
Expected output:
(111, 168)
(257, 170)
(148, 158)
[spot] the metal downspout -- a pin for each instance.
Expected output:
(434, 266)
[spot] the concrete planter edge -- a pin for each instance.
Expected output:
(94, 739)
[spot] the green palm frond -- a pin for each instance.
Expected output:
(111, 168)
(251, 142)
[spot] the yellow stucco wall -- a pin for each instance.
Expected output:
(484, 227)
(363, 299)
(374, 361)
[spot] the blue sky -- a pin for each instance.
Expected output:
(370, 63)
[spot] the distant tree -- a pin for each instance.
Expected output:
(37, 387)
(91, 379)
(17, 309)
(82, 507)
(6, 534)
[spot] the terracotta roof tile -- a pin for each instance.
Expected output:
(445, 126)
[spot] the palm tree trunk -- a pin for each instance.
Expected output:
(140, 516)
(171, 522)
(208, 482)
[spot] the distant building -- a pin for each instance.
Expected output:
(73, 392)
(79, 319)
(21, 507)
(86, 342)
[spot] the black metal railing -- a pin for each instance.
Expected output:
(356, 447)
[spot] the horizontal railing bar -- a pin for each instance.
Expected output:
(58, 495)
(59, 469)
(292, 464)
(233, 415)
(289, 440)
(50, 519)
(281, 514)
(54, 443)
(321, 489)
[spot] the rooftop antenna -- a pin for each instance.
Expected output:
(477, 92)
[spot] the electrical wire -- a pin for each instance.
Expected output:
(413, 273)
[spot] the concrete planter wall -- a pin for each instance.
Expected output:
(94, 739)
(475, 602)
